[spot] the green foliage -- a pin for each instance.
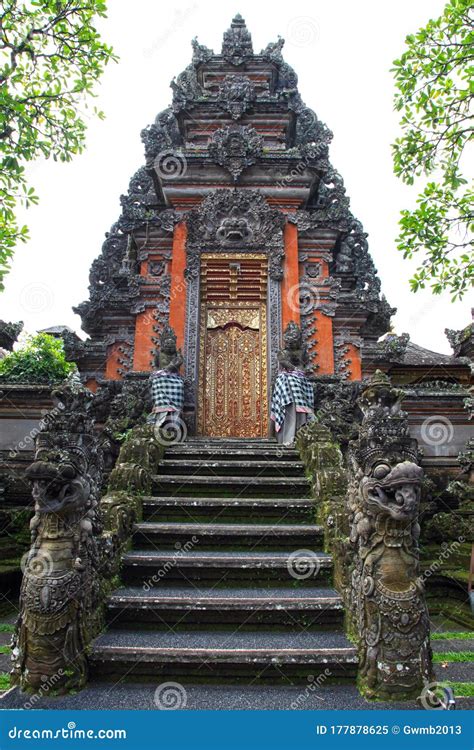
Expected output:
(434, 78)
(4, 681)
(462, 635)
(453, 656)
(51, 56)
(42, 360)
(461, 689)
(5, 627)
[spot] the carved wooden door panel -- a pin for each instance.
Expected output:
(233, 363)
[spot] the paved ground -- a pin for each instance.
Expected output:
(202, 697)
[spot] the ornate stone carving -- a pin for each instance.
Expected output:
(332, 199)
(288, 86)
(274, 324)
(336, 407)
(9, 333)
(344, 259)
(230, 218)
(386, 597)
(392, 348)
(275, 264)
(466, 457)
(162, 134)
(59, 593)
(168, 218)
(312, 136)
(201, 53)
(168, 357)
(462, 342)
(236, 95)
(186, 89)
(331, 208)
(237, 42)
(235, 148)
(156, 267)
(342, 339)
(294, 354)
(272, 52)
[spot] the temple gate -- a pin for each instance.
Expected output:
(236, 225)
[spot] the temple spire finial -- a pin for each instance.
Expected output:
(237, 42)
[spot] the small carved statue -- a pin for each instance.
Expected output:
(9, 333)
(167, 384)
(293, 397)
(344, 260)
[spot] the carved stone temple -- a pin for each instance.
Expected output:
(325, 556)
(235, 225)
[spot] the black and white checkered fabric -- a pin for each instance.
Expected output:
(291, 388)
(167, 391)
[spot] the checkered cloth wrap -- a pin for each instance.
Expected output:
(291, 388)
(167, 391)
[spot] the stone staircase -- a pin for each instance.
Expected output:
(216, 584)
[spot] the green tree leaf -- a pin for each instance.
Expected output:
(51, 57)
(41, 360)
(434, 80)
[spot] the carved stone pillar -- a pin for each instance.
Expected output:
(59, 592)
(76, 543)
(385, 600)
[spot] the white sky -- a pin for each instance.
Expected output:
(342, 52)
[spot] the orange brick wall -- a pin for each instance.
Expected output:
(290, 309)
(178, 284)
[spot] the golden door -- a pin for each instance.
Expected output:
(233, 340)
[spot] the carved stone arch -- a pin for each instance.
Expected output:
(237, 221)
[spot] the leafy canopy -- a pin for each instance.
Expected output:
(435, 87)
(41, 360)
(51, 55)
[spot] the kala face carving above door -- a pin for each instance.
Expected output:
(232, 390)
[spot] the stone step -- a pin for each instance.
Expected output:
(231, 441)
(245, 453)
(206, 536)
(209, 655)
(217, 467)
(203, 606)
(236, 486)
(227, 509)
(152, 568)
